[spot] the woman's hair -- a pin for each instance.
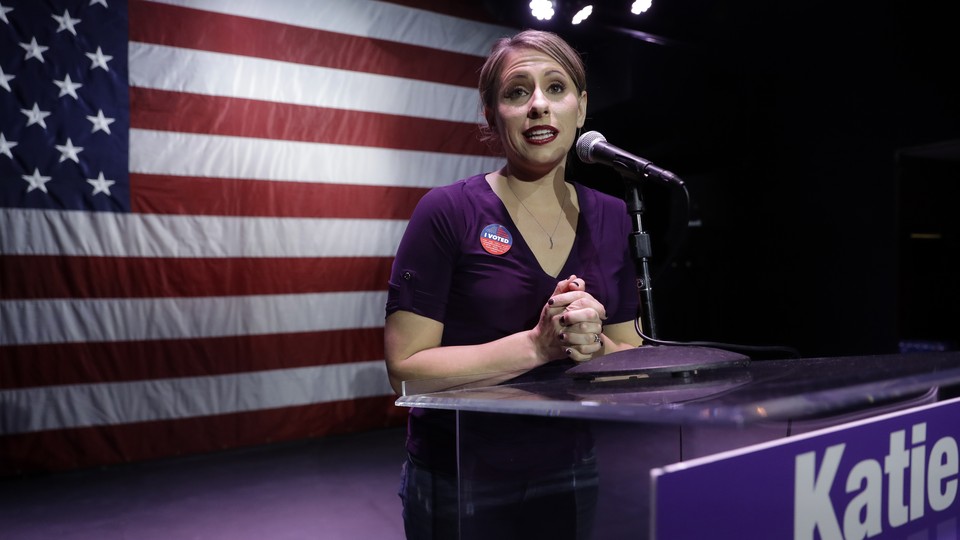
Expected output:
(547, 43)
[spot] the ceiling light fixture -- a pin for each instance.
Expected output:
(639, 6)
(542, 9)
(582, 15)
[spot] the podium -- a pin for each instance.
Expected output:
(530, 448)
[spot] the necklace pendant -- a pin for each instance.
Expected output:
(551, 241)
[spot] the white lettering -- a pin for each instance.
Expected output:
(812, 507)
(914, 481)
(496, 238)
(944, 460)
(862, 518)
(918, 471)
(897, 460)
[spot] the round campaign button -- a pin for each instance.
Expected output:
(496, 239)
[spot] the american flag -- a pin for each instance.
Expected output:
(200, 201)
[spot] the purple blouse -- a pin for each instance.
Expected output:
(463, 262)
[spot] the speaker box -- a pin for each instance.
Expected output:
(929, 246)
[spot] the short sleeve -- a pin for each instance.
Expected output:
(423, 268)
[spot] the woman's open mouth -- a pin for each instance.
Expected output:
(540, 134)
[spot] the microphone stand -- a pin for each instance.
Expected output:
(641, 250)
(657, 357)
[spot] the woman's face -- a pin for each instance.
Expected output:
(537, 113)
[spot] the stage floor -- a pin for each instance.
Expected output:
(338, 487)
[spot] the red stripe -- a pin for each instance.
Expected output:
(190, 195)
(109, 445)
(195, 113)
(56, 276)
(204, 30)
(27, 366)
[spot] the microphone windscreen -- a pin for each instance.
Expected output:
(585, 143)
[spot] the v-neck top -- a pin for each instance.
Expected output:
(463, 262)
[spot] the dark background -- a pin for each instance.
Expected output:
(815, 139)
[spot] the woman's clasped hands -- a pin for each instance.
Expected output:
(571, 323)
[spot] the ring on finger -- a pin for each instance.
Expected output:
(596, 338)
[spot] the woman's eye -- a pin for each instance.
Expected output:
(557, 88)
(517, 92)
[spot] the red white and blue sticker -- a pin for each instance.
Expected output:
(496, 239)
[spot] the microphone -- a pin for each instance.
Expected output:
(592, 147)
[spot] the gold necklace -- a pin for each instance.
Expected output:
(563, 207)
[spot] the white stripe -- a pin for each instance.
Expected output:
(24, 322)
(217, 74)
(110, 234)
(377, 20)
(73, 406)
(219, 156)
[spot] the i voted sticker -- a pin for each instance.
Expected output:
(496, 239)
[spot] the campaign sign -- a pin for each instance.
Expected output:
(891, 476)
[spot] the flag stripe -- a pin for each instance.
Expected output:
(202, 72)
(50, 277)
(220, 156)
(217, 32)
(58, 450)
(160, 194)
(215, 115)
(85, 405)
(120, 319)
(53, 364)
(473, 11)
(45, 232)
(376, 20)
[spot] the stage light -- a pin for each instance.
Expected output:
(639, 6)
(541, 9)
(582, 14)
